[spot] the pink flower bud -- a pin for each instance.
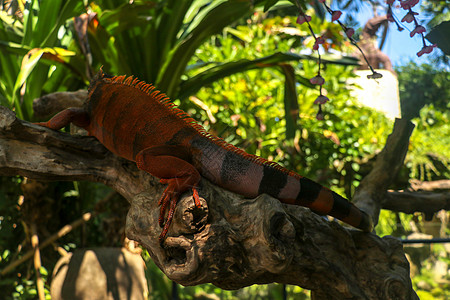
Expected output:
(336, 15)
(409, 17)
(426, 49)
(319, 116)
(419, 29)
(303, 18)
(407, 4)
(319, 40)
(321, 100)
(317, 80)
(390, 2)
(350, 32)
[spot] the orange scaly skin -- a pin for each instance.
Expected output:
(137, 122)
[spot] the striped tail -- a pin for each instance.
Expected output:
(250, 176)
(324, 201)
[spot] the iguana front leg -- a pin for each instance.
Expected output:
(171, 164)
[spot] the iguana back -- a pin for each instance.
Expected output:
(135, 121)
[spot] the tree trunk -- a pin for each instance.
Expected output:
(231, 242)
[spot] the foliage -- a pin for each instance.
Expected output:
(438, 9)
(424, 85)
(59, 204)
(45, 51)
(246, 78)
(121, 36)
(424, 94)
(259, 125)
(33, 38)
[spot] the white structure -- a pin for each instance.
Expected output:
(380, 94)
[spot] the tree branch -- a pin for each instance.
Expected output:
(43, 154)
(372, 189)
(231, 242)
(430, 186)
(410, 202)
(55, 102)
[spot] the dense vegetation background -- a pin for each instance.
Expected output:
(244, 74)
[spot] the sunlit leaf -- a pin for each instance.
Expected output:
(29, 62)
(214, 21)
(291, 109)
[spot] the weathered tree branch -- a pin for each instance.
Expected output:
(55, 102)
(372, 189)
(231, 241)
(410, 202)
(430, 186)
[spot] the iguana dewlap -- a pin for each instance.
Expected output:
(135, 121)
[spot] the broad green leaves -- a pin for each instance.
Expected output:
(153, 40)
(212, 22)
(222, 70)
(25, 43)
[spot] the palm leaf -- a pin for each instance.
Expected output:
(291, 109)
(211, 23)
(192, 85)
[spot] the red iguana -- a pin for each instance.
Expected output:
(137, 122)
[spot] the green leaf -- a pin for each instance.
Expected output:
(244, 36)
(213, 22)
(14, 48)
(196, 13)
(440, 35)
(193, 84)
(340, 60)
(70, 9)
(304, 81)
(28, 65)
(291, 109)
(13, 29)
(269, 4)
(170, 25)
(43, 271)
(46, 18)
(126, 16)
(30, 19)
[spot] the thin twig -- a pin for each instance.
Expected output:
(62, 232)
(37, 261)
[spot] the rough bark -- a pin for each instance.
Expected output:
(55, 102)
(430, 186)
(410, 202)
(373, 188)
(377, 59)
(231, 242)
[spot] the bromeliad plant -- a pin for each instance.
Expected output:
(34, 39)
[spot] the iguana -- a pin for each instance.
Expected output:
(137, 122)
